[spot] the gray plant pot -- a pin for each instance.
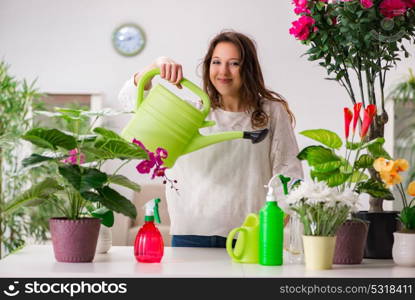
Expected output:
(351, 242)
(74, 240)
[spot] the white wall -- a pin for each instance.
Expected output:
(67, 46)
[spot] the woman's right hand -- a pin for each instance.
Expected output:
(170, 70)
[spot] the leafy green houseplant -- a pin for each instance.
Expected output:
(404, 239)
(321, 210)
(78, 179)
(348, 171)
(403, 95)
(357, 42)
(16, 99)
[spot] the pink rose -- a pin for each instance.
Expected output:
(392, 8)
(366, 3)
(300, 7)
(301, 27)
(409, 3)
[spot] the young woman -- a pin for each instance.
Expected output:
(221, 184)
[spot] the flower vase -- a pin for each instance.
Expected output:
(74, 240)
(403, 249)
(351, 242)
(318, 252)
(293, 243)
(104, 240)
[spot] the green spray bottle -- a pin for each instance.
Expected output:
(271, 231)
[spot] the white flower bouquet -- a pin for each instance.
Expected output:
(321, 209)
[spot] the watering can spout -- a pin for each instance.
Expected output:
(201, 141)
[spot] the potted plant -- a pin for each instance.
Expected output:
(357, 41)
(79, 180)
(16, 99)
(322, 210)
(403, 96)
(348, 172)
(404, 239)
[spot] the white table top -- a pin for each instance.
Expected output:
(119, 262)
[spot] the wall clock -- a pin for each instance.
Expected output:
(128, 39)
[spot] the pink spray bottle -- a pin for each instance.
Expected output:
(149, 246)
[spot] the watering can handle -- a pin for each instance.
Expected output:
(190, 85)
(229, 241)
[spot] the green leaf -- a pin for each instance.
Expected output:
(117, 202)
(374, 188)
(377, 151)
(352, 146)
(358, 176)
(106, 112)
(322, 176)
(36, 158)
(318, 155)
(36, 193)
(124, 181)
(326, 137)
(106, 216)
(365, 161)
(83, 179)
(337, 179)
(50, 139)
(91, 196)
(108, 134)
(328, 166)
(123, 150)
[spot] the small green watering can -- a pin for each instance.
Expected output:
(247, 246)
(164, 120)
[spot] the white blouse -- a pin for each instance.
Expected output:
(221, 184)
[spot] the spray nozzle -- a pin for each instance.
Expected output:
(152, 210)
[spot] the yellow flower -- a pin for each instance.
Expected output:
(390, 178)
(400, 165)
(382, 165)
(411, 188)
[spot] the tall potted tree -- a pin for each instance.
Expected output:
(359, 41)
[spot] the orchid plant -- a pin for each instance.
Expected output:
(348, 171)
(357, 40)
(154, 163)
(79, 181)
(321, 209)
(389, 172)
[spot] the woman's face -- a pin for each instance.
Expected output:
(224, 71)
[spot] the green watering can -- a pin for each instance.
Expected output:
(247, 246)
(164, 120)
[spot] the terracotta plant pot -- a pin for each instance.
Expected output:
(380, 235)
(318, 252)
(403, 249)
(74, 240)
(350, 242)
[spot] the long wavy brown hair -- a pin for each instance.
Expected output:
(253, 90)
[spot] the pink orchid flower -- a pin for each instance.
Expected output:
(73, 157)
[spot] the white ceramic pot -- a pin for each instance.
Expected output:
(104, 239)
(403, 249)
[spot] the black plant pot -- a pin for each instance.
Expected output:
(380, 236)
